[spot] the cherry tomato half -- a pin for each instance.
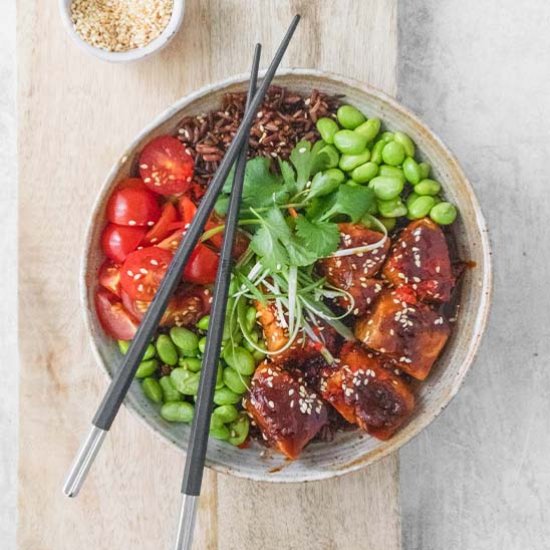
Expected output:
(133, 206)
(109, 276)
(165, 166)
(143, 271)
(118, 241)
(114, 318)
(164, 224)
(202, 266)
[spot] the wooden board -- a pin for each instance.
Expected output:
(76, 114)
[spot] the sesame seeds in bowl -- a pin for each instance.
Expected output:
(122, 30)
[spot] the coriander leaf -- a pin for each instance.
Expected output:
(301, 158)
(269, 249)
(289, 177)
(321, 160)
(222, 205)
(322, 184)
(299, 253)
(350, 201)
(322, 238)
(275, 221)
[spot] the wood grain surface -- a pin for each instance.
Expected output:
(75, 116)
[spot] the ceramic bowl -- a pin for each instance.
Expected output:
(350, 450)
(135, 54)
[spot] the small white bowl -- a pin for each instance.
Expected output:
(155, 45)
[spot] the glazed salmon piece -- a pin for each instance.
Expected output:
(288, 413)
(355, 273)
(420, 258)
(406, 330)
(366, 393)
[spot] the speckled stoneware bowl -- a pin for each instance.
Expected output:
(350, 450)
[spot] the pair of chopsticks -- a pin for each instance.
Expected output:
(122, 379)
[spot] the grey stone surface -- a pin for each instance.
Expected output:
(479, 74)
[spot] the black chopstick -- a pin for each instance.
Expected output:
(198, 438)
(123, 377)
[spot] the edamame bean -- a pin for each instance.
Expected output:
(185, 381)
(224, 396)
(349, 117)
(258, 356)
(177, 411)
(386, 188)
(124, 345)
(350, 142)
(443, 213)
(427, 187)
(411, 170)
(152, 390)
(393, 153)
(219, 377)
(327, 128)
(376, 153)
(251, 318)
(369, 129)
(193, 364)
(406, 142)
(166, 350)
(349, 162)
(186, 340)
(202, 341)
(392, 209)
(234, 381)
(387, 136)
(219, 431)
(336, 174)
(203, 323)
(332, 156)
(240, 359)
(147, 368)
(412, 197)
(392, 171)
(238, 430)
(225, 414)
(247, 345)
(365, 172)
(150, 352)
(420, 207)
(169, 392)
(424, 170)
(388, 223)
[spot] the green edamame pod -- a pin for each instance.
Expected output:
(185, 381)
(327, 128)
(392, 209)
(147, 368)
(376, 153)
(349, 117)
(420, 207)
(365, 172)
(169, 392)
(225, 414)
(240, 359)
(424, 170)
(219, 431)
(350, 142)
(406, 142)
(177, 411)
(392, 171)
(331, 157)
(203, 323)
(224, 396)
(350, 162)
(193, 364)
(186, 340)
(152, 390)
(369, 129)
(443, 213)
(166, 350)
(393, 153)
(411, 170)
(427, 187)
(386, 188)
(235, 381)
(238, 430)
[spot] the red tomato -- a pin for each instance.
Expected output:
(202, 266)
(114, 319)
(137, 308)
(163, 226)
(165, 166)
(187, 209)
(118, 241)
(133, 206)
(109, 276)
(142, 272)
(134, 183)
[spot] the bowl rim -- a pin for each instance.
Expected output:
(135, 54)
(486, 290)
